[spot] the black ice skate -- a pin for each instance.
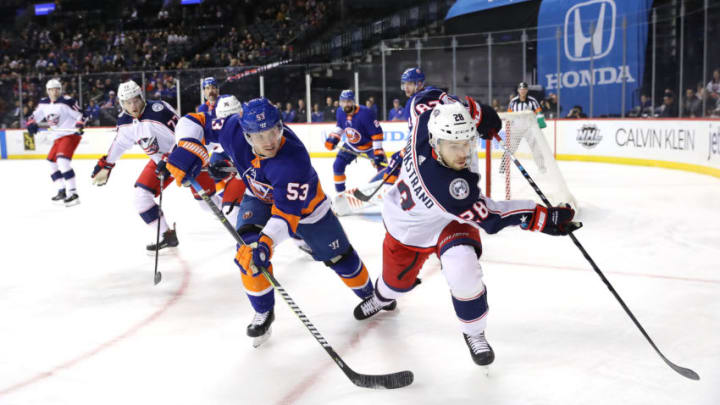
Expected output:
(259, 328)
(72, 200)
(59, 197)
(169, 240)
(372, 305)
(481, 352)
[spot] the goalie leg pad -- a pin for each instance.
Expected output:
(401, 265)
(463, 273)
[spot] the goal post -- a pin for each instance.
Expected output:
(524, 138)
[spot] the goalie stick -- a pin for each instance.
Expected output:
(389, 381)
(685, 372)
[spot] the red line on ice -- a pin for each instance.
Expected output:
(134, 329)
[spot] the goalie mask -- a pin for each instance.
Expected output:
(452, 135)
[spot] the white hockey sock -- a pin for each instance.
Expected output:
(68, 175)
(163, 226)
(56, 176)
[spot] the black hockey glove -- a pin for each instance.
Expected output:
(216, 169)
(554, 221)
(161, 169)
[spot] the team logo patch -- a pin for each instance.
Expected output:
(247, 214)
(157, 107)
(459, 189)
(352, 135)
(436, 113)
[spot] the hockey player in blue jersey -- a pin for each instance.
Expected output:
(284, 199)
(363, 135)
(436, 206)
(211, 92)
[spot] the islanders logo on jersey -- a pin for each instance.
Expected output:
(352, 135)
(260, 190)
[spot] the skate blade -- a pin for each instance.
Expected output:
(262, 339)
(162, 252)
(72, 203)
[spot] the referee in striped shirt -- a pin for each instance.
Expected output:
(523, 102)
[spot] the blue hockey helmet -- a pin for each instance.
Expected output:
(209, 81)
(259, 115)
(413, 75)
(347, 95)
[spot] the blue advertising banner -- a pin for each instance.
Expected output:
(591, 51)
(462, 7)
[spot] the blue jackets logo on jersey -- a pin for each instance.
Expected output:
(459, 189)
(149, 145)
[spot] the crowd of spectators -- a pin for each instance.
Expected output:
(174, 37)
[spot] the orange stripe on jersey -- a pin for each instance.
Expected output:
(319, 197)
(256, 284)
(377, 137)
(359, 280)
(339, 177)
(199, 117)
(364, 147)
(391, 180)
(197, 150)
(292, 220)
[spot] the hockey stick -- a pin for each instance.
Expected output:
(158, 275)
(389, 381)
(366, 197)
(685, 372)
(360, 154)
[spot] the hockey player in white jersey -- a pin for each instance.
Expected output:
(150, 124)
(66, 122)
(436, 206)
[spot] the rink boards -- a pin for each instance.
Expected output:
(690, 144)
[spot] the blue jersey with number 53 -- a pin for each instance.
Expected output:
(287, 181)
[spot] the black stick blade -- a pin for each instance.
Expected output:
(685, 372)
(360, 196)
(158, 277)
(384, 381)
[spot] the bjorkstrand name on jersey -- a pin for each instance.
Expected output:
(670, 138)
(414, 179)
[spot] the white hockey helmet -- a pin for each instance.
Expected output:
(450, 122)
(53, 84)
(228, 105)
(128, 90)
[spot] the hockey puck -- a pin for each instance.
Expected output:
(158, 277)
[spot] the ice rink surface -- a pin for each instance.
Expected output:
(82, 323)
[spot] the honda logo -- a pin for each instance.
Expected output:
(589, 30)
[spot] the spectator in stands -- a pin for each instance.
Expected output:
(692, 106)
(396, 112)
(301, 111)
(713, 87)
(317, 115)
(549, 105)
(109, 108)
(576, 112)
(668, 109)
(329, 114)
(92, 111)
(373, 106)
(496, 105)
(289, 114)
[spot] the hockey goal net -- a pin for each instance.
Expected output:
(523, 136)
